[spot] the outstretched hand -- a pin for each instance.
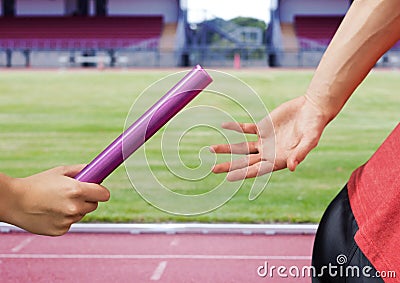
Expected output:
(295, 130)
(49, 202)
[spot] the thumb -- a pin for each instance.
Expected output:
(70, 170)
(300, 152)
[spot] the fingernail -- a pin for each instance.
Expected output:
(211, 149)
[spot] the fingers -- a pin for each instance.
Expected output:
(300, 152)
(93, 192)
(78, 209)
(69, 171)
(87, 207)
(237, 164)
(87, 191)
(52, 200)
(257, 169)
(247, 128)
(238, 148)
(247, 167)
(73, 214)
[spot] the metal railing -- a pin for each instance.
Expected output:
(211, 56)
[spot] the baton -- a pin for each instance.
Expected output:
(146, 126)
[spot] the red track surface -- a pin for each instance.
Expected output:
(151, 257)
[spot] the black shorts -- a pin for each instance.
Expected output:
(336, 256)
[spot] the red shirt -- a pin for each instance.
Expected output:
(374, 192)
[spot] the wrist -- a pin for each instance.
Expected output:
(327, 111)
(9, 195)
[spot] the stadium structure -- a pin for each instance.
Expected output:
(152, 33)
(300, 31)
(114, 32)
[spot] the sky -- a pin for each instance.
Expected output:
(199, 10)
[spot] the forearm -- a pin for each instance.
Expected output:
(8, 194)
(369, 29)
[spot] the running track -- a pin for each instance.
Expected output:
(150, 257)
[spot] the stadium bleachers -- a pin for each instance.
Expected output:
(66, 33)
(315, 32)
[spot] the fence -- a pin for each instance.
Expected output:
(153, 58)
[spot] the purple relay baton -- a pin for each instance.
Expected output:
(146, 126)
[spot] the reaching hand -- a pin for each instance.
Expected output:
(49, 202)
(295, 130)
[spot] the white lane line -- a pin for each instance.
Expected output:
(164, 257)
(21, 245)
(171, 228)
(158, 272)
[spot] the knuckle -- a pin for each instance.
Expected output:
(62, 231)
(59, 231)
(217, 147)
(72, 210)
(62, 169)
(54, 233)
(75, 191)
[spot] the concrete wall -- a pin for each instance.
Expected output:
(289, 8)
(40, 7)
(167, 8)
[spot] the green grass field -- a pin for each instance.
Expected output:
(50, 118)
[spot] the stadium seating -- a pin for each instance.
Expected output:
(315, 32)
(67, 33)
